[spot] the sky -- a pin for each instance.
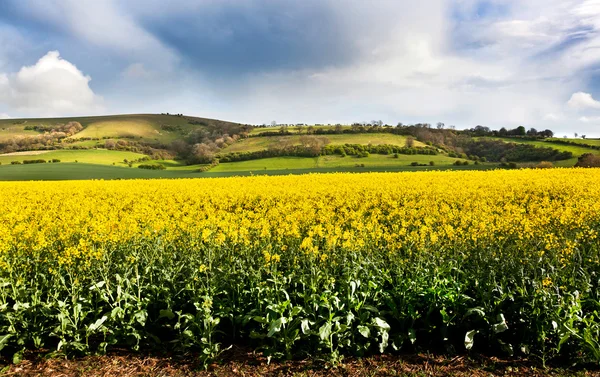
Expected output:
(497, 63)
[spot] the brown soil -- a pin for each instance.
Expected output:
(240, 362)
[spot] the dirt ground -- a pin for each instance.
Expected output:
(243, 363)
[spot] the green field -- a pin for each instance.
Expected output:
(79, 171)
(8, 131)
(576, 150)
(274, 166)
(332, 162)
(579, 141)
(89, 156)
(254, 144)
(292, 129)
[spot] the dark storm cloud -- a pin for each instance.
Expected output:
(226, 39)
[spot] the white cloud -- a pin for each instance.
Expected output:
(102, 24)
(590, 119)
(52, 86)
(583, 101)
(4, 116)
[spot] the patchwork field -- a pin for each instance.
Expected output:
(373, 161)
(91, 156)
(253, 144)
(329, 265)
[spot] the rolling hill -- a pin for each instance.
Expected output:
(146, 127)
(114, 146)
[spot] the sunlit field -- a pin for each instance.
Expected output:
(499, 262)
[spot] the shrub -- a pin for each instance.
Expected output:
(54, 160)
(545, 165)
(512, 165)
(414, 164)
(38, 161)
(431, 163)
(588, 160)
(465, 162)
(152, 167)
(457, 163)
(15, 162)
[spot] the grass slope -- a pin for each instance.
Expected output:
(146, 127)
(576, 150)
(90, 156)
(331, 162)
(254, 144)
(278, 166)
(579, 141)
(79, 171)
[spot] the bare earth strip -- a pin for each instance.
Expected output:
(25, 153)
(239, 362)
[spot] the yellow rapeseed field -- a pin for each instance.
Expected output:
(483, 235)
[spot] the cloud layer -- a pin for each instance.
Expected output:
(466, 62)
(52, 86)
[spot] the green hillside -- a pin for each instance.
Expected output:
(92, 156)
(253, 144)
(594, 142)
(373, 161)
(98, 147)
(145, 127)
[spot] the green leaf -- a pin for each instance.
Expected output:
(98, 285)
(383, 325)
(4, 340)
(364, 331)
(305, 326)
(470, 339)
(325, 331)
(384, 341)
(276, 326)
(412, 336)
(477, 311)
(96, 325)
(506, 347)
(17, 357)
(500, 326)
(141, 317)
(166, 313)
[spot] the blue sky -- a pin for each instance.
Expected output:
(465, 62)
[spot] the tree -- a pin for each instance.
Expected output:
(440, 125)
(202, 154)
(588, 160)
(110, 144)
(273, 123)
(299, 129)
(338, 128)
(410, 142)
(313, 144)
(520, 131)
(583, 136)
(576, 134)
